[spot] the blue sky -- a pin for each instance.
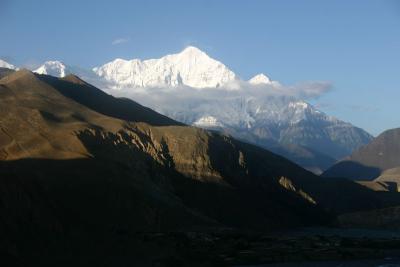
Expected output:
(353, 44)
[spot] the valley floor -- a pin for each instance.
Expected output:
(306, 247)
(387, 262)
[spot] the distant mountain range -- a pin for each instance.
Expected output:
(195, 89)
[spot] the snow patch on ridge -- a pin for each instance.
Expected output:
(4, 64)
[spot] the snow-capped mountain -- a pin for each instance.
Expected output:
(260, 79)
(59, 69)
(191, 67)
(54, 68)
(4, 64)
(282, 119)
(259, 111)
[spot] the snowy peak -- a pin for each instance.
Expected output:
(192, 51)
(260, 79)
(191, 67)
(53, 68)
(4, 64)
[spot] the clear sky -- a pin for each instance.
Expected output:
(353, 44)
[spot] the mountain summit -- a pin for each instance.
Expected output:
(4, 64)
(260, 79)
(53, 68)
(191, 67)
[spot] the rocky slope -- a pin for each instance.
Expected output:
(80, 168)
(286, 125)
(49, 121)
(370, 161)
(71, 139)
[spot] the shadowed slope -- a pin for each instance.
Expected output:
(370, 161)
(40, 122)
(95, 99)
(47, 117)
(67, 170)
(72, 174)
(4, 72)
(352, 170)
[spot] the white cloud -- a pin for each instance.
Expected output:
(120, 41)
(234, 105)
(160, 98)
(310, 90)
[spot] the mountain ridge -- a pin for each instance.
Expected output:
(370, 161)
(258, 111)
(76, 175)
(191, 67)
(62, 126)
